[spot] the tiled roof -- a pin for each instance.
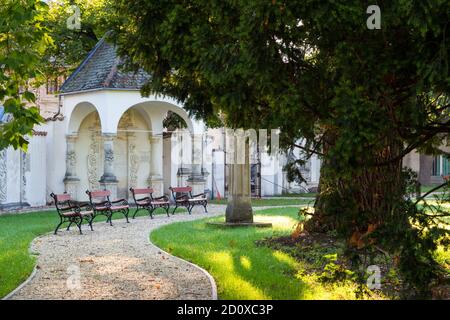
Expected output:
(101, 70)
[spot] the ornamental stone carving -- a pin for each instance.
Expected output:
(93, 160)
(134, 165)
(109, 157)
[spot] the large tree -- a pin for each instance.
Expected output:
(23, 39)
(360, 98)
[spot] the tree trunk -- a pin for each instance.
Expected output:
(359, 200)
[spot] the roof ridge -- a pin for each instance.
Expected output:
(111, 73)
(82, 64)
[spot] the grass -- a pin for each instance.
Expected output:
(242, 269)
(270, 202)
(299, 195)
(426, 188)
(16, 233)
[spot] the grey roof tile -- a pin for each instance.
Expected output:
(101, 70)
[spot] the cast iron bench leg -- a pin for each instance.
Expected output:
(137, 209)
(167, 210)
(59, 225)
(79, 224)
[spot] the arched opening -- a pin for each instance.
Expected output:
(89, 154)
(132, 148)
(79, 114)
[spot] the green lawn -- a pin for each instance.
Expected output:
(241, 269)
(426, 188)
(16, 233)
(301, 194)
(270, 202)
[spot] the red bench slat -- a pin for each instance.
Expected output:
(100, 194)
(62, 197)
(143, 191)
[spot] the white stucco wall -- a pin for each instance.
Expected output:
(35, 170)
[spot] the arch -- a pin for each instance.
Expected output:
(154, 112)
(79, 113)
(139, 108)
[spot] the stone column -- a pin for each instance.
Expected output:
(109, 181)
(71, 181)
(239, 207)
(156, 164)
(196, 179)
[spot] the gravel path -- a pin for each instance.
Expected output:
(115, 262)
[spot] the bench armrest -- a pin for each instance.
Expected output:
(142, 199)
(164, 197)
(182, 197)
(203, 194)
(122, 201)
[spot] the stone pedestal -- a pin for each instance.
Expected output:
(239, 207)
(71, 181)
(110, 186)
(71, 187)
(182, 176)
(155, 179)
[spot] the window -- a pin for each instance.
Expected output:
(441, 166)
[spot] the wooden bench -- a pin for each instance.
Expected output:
(148, 202)
(183, 198)
(72, 212)
(102, 204)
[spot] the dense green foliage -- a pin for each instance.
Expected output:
(23, 39)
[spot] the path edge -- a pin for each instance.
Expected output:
(208, 275)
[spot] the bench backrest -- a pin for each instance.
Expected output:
(180, 192)
(181, 189)
(62, 202)
(141, 190)
(98, 194)
(60, 198)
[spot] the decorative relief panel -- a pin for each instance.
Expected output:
(133, 164)
(93, 158)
